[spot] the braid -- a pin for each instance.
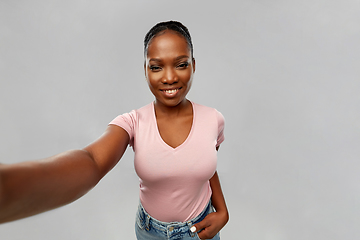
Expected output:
(169, 25)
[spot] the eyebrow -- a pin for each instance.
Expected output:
(176, 59)
(181, 57)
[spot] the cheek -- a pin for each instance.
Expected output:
(150, 84)
(152, 79)
(187, 77)
(153, 86)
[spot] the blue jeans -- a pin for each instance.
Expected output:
(148, 228)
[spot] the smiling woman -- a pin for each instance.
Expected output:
(175, 143)
(169, 69)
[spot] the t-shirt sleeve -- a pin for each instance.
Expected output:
(126, 121)
(221, 125)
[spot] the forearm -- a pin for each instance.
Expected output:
(217, 198)
(215, 221)
(33, 187)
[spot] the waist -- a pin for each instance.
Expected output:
(145, 220)
(180, 205)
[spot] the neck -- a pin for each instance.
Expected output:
(172, 111)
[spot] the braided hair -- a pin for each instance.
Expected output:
(169, 25)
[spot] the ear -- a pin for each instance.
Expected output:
(193, 64)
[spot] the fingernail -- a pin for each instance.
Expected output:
(193, 229)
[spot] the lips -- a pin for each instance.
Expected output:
(171, 92)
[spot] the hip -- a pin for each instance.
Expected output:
(149, 228)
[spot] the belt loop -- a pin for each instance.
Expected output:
(190, 224)
(147, 222)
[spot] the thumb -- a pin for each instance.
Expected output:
(199, 226)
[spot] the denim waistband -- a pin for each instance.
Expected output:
(170, 228)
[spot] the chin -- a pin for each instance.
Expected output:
(171, 102)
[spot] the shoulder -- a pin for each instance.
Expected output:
(133, 116)
(208, 111)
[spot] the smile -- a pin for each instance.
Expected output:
(170, 92)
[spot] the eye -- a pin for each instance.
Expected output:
(154, 68)
(183, 65)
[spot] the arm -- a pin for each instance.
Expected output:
(214, 222)
(33, 187)
(217, 198)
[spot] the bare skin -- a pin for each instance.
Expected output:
(34, 187)
(30, 188)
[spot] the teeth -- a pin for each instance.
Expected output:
(171, 91)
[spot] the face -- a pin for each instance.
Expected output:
(169, 68)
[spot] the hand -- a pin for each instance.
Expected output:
(211, 224)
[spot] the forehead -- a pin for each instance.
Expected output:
(168, 42)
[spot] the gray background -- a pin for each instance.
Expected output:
(285, 74)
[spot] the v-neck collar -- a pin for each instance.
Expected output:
(158, 132)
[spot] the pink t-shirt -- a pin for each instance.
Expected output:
(174, 182)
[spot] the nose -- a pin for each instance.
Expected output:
(170, 76)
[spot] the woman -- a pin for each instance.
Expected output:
(175, 143)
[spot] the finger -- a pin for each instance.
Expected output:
(205, 234)
(199, 226)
